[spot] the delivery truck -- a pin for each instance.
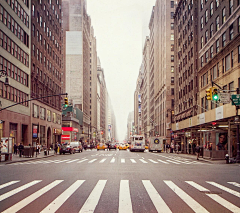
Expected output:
(156, 144)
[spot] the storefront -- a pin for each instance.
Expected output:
(57, 135)
(69, 134)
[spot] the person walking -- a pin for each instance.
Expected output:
(197, 150)
(20, 148)
(15, 149)
(37, 149)
(177, 148)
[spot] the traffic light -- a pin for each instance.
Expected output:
(215, 95)
(66, 102)
(101, 132)
(209, 93)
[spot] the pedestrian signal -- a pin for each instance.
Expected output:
(66, 102)
(209, 94)
(215, 95)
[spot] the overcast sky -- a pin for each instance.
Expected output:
(120, 27)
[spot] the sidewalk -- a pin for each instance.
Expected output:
(16, 158)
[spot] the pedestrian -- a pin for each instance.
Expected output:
(37, 149)
(197, 150)
(20, 148)
(177, 148)
(56, 147)
(15, 149)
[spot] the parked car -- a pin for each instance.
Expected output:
(89, 146)
(112, 146)
(77, 146)
(101, 146)
(66, 149)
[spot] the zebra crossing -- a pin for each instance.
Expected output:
(99, 159)
(125, 194)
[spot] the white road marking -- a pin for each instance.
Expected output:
(8, 184)
(56, 204)
(133, 161)
(194, 205)
(102, 161)
(224, 188)
(60, 161)
(153, 161)
(235, 184)
(72, 161)
(125, 203)
(172, 161)
(143, 161)
(93, 199)
(157, 200)
(91, 161)
(113, 160)
(122, 160)
(19, 189)
(82, 160)
(162, 161)
(32, 197)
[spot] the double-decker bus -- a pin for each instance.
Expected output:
(137, 143)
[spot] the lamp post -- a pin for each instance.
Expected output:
(2, 74)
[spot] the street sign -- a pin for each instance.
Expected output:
(236, 99)
(224, 98)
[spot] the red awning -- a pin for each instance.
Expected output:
(70, 129)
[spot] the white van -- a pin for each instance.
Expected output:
(77, 146)
(156, 144)
(137, 143)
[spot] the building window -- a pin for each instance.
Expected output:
(232, 59)
(217, 46)
(172, 14)
(206, 57)
(217, 3)
(230, 7)
(201, 22)
(206, 36)
(211, 9)
(172, 37)
(239, 54)
(217, 23)
(231, 85)
(172, 47)
(223, 70)
(201, 4)
(231, 32)
(239, 24)
(223, 15)
(214, 74)
(211, 51)
(172, 4)
(224, 39)
(33, 10)
(201, 42)
(202, 61)
(206, 16)
(172, 58)
(211, 30)
(172, 67)
(172, 26)
(172, 91)
(172, 80)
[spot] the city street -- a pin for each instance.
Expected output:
(119, 181)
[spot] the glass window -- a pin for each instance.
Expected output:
(228, 62)
(206, 36)
(223, 15)
(224, 39)
(211, 9)
(217, 46)
(217, 3)
(201, 22)
(206, 16)
(231, 32)
(230, 7)
(211, 51)
(217, 23)
(211, 30)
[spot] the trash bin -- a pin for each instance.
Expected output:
(45, 152)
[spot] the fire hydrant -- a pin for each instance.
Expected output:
(227, 158)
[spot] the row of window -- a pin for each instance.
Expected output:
(17, 8)
(43, 114)
(14, 72)
(12, 25)
(13, 49)
(186, 89)
(13, 94)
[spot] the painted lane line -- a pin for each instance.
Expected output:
(113, 160)
(172, 161)
(8, 184)
(153, 161)
(235, 184)
(82, 160)
(215, 197)
(19, 189)
(91, 161)
(157, 200)
(32, 197)
(102, 161)
(194, 205)
(143, 161)
(125, 202)
(162, 161)
(72, 161)
(133, 161)
(57, 203)
(224, 188)
(93, 199)
(61, 161)
(122, 160)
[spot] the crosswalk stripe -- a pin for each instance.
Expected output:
(224, 188)
(93, 199)
(19, 189)
(91, 161)
(153, 161)
(157, 200)
(32, 197)
(162, 161)
(102, 161)
(143, 161)
(82, 160)
(113, 160)
(215, 197)
(8, 184)
(194, 205)
(61, 161)
(72, 161)
(122, 160)
(57, 203)
(125, 203)
(172, 161)
(133, 161)
(235, 184)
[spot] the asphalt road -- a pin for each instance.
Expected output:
(119, 181)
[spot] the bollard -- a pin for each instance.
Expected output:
(227, 158)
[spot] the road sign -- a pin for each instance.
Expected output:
(224, 98)
(236, 99)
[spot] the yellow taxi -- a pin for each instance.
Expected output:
(122, 147)
(101, 146)
(146, 146)
(127, 145)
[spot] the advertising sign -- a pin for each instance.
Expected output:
(65, 137)
(4, 145)
(35, 130)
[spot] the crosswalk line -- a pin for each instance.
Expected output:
(215, 197)
(91, 161)
(61, 161)
(113, 160)
(163, 161)
(172, 161)
(157, 200)
(122, 160)
(125, 203)
(153, 161)
(235, 184)
(57, 203)
(224, 188)
(93, 199)
(143, 161)
(133, 161)
(82, 160)
(194, 205)
(8, 184)
(72, 161)
(102, 161)
(32, 197)
(19, 189)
